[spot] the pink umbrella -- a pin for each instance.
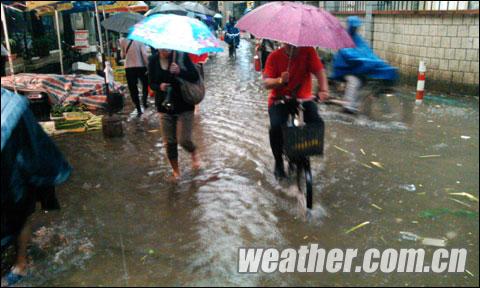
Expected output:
(297, 24)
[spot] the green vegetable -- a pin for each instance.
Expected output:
(69, 124)
(434, 213)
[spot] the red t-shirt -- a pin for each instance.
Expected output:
(302, 66)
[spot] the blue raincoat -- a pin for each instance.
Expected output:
(231, 29)
(31, 166)
(361, 60)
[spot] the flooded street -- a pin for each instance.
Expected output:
(123, 224)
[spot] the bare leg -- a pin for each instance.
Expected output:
(169, 134)
(186, 129)
(176, 169)
(22, 242)
(195, 161)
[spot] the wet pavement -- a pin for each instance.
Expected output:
(122, 224)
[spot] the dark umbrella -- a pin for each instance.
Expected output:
(197, 8)
(167, 8)
(121, 22)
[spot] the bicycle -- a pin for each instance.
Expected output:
(301, 140)
(370, 91)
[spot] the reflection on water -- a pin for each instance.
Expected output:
(145, 231)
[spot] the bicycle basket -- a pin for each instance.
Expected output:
(303, 141)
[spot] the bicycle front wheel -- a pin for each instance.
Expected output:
(305, 182)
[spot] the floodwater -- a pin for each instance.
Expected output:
(123, 224)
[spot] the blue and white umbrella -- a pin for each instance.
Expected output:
(174, 32)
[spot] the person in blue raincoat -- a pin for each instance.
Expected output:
(31, 167)
(357, 65)
(232, 34)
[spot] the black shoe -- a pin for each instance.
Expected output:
(139, 113)
(279, 171)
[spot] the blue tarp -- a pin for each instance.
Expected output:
(361, 60)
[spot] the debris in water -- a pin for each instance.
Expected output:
(430, 156)
(376, 206)
(151, 251)
(451, 235)
(409, 187)
(357, 227)
(153, 131)
(377, 164)
(305, 238)
(363, 152)
(465, 194)
(465, 137)
(460, 202)
(434, 242)
(86, 186)
(366, 165)
(469, 273)
(341, 149)
(425, 241)
(434, 213)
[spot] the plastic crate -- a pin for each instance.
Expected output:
(304, 141)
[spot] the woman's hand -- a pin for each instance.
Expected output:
(174, 69)
(164, 87)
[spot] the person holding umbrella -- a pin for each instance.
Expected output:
(163, 70)
(172, 75)
(287, 68)
(300, 27)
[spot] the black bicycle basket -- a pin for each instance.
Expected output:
(303, 141)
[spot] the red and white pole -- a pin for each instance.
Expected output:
(421, 83)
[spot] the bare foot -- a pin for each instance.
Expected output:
(20, 269)
(174, 178)
(195, 162)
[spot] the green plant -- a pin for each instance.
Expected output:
(13, 44)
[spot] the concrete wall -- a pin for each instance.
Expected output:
(449, 43)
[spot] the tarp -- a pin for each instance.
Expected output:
(65, 89)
